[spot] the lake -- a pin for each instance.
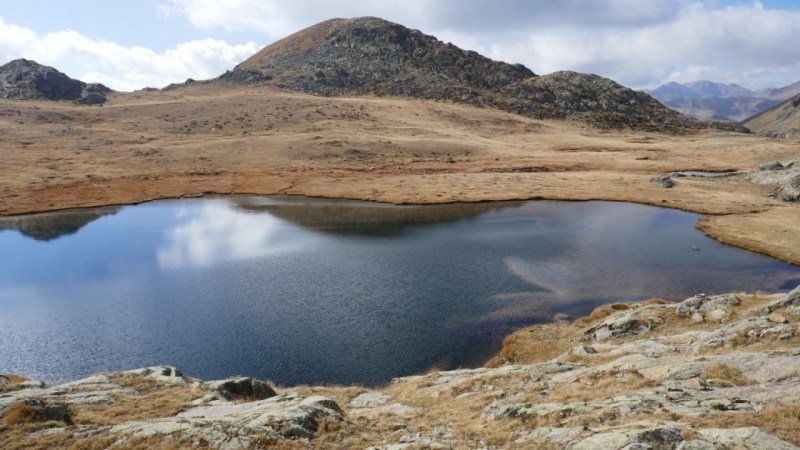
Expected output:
(299, 290)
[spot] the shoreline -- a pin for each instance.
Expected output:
(645, 372)
(702, 223)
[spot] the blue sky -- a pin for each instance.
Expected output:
(131, 44)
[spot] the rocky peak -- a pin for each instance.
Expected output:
(27, 80)
(371, 56)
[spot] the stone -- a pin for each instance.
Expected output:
(236, 388)
(745, 438)
(696, 444)
(164, 374)
(775, 165)
(664, 181)
(369, 400)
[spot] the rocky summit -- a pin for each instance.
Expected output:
(711, 372)
(28, 80)
(371, 56)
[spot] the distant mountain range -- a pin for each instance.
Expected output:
(719, 101)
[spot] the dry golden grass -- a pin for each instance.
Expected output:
(22, 413)
(205, 139)
(535, 344)
(156, 400)
(18, 438)
(610, 383)
(724, 375)
(8, 382)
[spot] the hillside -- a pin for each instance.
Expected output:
(27, 80)
(371, 56)
(782, 121)
(718, 101)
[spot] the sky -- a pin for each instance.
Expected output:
(132, 44)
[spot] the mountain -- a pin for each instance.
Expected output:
(701, 89)
(371, 56)
(784, 92)
(718, 101)
(27, 80)
(782, 121)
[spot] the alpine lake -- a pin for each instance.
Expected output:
(310, 291)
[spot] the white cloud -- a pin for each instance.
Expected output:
(637, 43)
(120, 67)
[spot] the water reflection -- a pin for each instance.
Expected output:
(355, 218)
(218, 233)
(311, 291)
(50, 226)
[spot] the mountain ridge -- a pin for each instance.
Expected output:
(372, 56)
(780, 121)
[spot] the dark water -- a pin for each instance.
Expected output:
(308, 291)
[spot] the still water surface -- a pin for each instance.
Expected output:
(311, 291)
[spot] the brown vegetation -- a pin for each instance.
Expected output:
(205, 139)
(155, 400)
(22, 413)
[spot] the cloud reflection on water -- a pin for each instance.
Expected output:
(217, 232)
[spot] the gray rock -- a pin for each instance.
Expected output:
(369, 400)
(745, 438)
(23, 79)
(775, 165)
(236, 388)
(164, 374)
(279, 417)
(664, 181)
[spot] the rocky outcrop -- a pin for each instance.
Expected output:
(664, 181)
(711, 372)
(28, 80)
(783, 178)
(371, 56)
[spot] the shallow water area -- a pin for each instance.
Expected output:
(702, 174)
(315, 291)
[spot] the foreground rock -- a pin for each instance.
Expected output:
(28, 80)
(711, 372)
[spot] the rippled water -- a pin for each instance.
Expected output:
(311, 291)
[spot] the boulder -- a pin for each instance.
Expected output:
(775, 165)
(236, 388)
(164, 374)
(664, 181)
